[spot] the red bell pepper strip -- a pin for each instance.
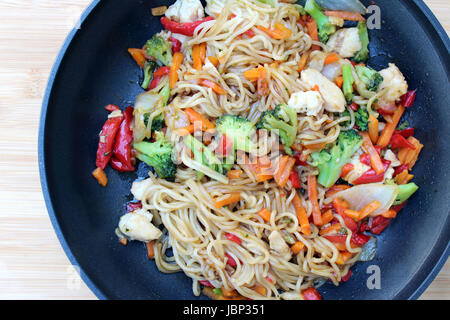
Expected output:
(106, 141)
(347, 276)
(379, 223)
(346, 169)
(132, 206)
(176, 44)
(112, 107)
(231, 262)
(400, 169)
(398, 141)
(295, 180)
(225, 146)
(406, 133)
(186, 28)
(122, 148)
(407, 100)
(398, 207)
(233, 238)
(298, 159)
(157, 76)
(359, 239)
(249, 33)
(311, 294)
(206, 283)
(370, 176)
(354, 106)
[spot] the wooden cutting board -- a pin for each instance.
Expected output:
(32, 262)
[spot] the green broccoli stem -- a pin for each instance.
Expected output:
(405, 191)
(165, 94)
(202, 154)
(363, 54)
(149, 67)
(347, 87)
(323, 23)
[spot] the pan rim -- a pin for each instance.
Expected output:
(412, 293)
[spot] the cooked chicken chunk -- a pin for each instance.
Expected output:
(186, 11)
(394, 82)
(137, 225)
(345, 42)
(278, 245)
(309, 102)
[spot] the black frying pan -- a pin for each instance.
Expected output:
(94, 69)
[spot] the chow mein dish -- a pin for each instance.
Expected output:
(275, 153)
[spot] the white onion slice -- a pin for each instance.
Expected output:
(361, 195)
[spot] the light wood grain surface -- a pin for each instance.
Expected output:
(32, 262)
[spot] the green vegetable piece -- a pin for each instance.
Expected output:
(371, 78)
(347, 86)
(203, 154)
(283, 121)
(331, 161)
(218, 291)
(361, 118)
(158, 154)
(405, 191)
(300, 9)
(239, 129)
(149, 67)
(326, 28)
(363, 54)
(160, 49)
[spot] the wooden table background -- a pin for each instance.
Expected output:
(32, 262)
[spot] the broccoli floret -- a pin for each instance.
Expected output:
(331, 161)
(203, 154)
(283, 121)
(347, 86)
(158, 154)
(371, 78)
(404, 125)
(239, 129)
(158, 121)
(361, 118)
(326, 28)
(363, 54)
(405, 191)
(160, 49)
(149, 67)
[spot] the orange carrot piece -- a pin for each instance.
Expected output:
(375, 159)
(327, 217)
(352, 214)
(404, 177)
(196, 57)
(229, 294)
(214, 60)
(316, 146)
(390, 214)
(373, 128)
(280, 31)
(302, 63)
(331, 58)
(177, 60)
(311, 26)
(346, 15)
(297, 247)
(138, 56)
(265, 214)
(203, 52)
(343, 257)
(252, 74)
(234, 174)
(312, 194)
(302, 216)
(339, 81)
(335, 189)
(123, 241)
(150, 249)
(232, 198)
(368, 209)
(101, 177)
(194, 117)
(283, 171)
(186, 130)
(388, 131)
(409, 156)
(214, 86)
(260, 289)
(334, 228)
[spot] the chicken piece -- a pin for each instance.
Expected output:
(280, 246)
(138, 188)
(137, 225)
(333, 96)
(345, 42)
(394, 82)
(309, 102)
(291, 295)
(185, 11)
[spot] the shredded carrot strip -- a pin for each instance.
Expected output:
(331, 58)
(138, 56)
(186, 130)
(316, 146)
(339, 81)
(373, 128)
(375, 159)
(302, 216)
(196, 57)
(311, 26)
(123, 241)
(388, 131)
(409, 156)
(335, 189)
(150, 249)
(312, 194)
(368, 209)
(214, 86)
(265, 214)
(229, 294)
(214, 61)
(194, 117)
(203, 52)
(232, 198)
(177, 60)
(280, 31)
(346, 15)
(302, 63)
(234, 174)
(327, 217)
(297, 247)
(404, 177)
(252, 74)
(283, 171)
(343, 257)
(334, 228)
(260, 289)
(100, 175)
(390, 214)
(352, 214)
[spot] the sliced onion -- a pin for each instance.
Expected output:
(332, 71)
(343, 5)
(317, 60)
(360, 196)
(146, 103)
